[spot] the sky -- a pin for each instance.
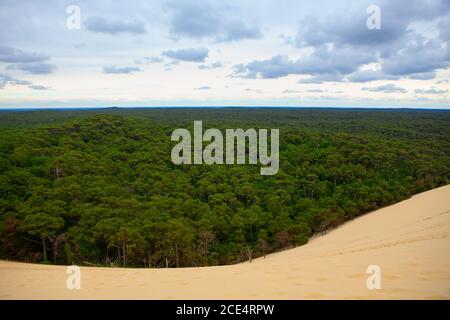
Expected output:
(225, 53)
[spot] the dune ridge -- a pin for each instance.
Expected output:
(409, 241)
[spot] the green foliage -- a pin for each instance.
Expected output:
(101, 188)
(42, 225)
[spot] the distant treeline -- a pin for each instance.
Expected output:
(99, 187)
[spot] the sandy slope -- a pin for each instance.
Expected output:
(410, 241)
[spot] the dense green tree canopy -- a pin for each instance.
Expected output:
(98, 187)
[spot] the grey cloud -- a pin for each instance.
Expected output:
(373, 75)
(114, 26)
(203, 88)
(29, 62)
(38, 87)
(330, 62)
(149, 60)
(153, 59)
(400, 50)
(423, 76)
(207, 20)
(418, 57)
(169, 65)
(34, 68)
(214, 65)
(237, 30)
(285, 39)
(276, 67)
(387, 88)
(350, 28)
(189, 54)
(290, 91)
(6, 79)
(444, 29)
(370, 75)
(14, 55)
(431, 90)
(120, 70)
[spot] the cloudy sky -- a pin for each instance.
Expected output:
(221, 53)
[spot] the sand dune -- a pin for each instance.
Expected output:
(409, 241)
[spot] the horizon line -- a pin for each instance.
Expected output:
(221, 107)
